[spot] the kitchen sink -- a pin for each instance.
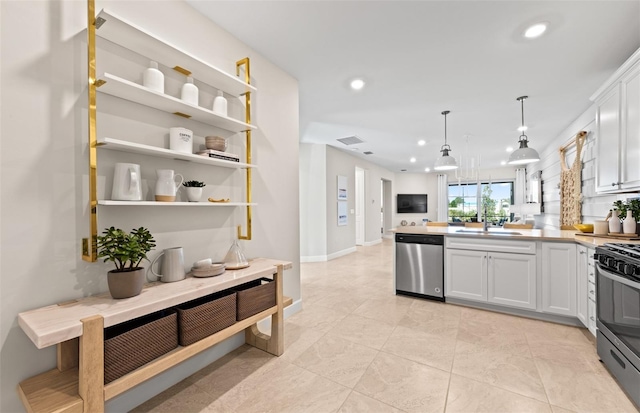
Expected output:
(479, 231)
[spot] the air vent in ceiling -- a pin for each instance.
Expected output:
(350, 140)
(368, 153)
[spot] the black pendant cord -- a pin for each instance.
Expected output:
(521, 99)
(445, 113)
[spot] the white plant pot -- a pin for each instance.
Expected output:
(194, 194)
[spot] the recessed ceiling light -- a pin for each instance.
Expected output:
(503, 163)
(422, 142)
(412, 160)
(427, 169)
(522, 128)
(509, 149)
(357, 84)
(535, 30)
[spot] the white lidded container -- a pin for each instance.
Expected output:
(189, 92)
(220, 104)
(152, 78)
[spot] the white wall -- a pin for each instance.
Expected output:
(313, 208)
(421, 183)
(594, 206)
(321, 237)
(44, 165)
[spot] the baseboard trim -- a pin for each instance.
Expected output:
(372, 243)
(313, 258)
(341, 253)
(560, 319)
(387, 236)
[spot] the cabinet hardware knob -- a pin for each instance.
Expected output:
(582, 252)
(592, 292)
(613, 184)
(592, 319)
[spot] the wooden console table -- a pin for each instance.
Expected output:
(77, 329)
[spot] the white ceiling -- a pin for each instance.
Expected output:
(422, 57)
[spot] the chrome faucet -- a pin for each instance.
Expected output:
(484, 221)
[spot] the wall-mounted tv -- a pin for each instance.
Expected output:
(411, 203)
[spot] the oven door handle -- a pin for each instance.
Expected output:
(617, 278)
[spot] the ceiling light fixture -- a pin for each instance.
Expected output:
(445, 162)
(357, 84)
(422, 142)
(509, 149)
(412, 160)
(503, 163)
(523, 154)
(535, 31)
(427, 169)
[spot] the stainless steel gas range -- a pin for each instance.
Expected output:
(618, 313)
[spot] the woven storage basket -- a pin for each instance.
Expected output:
(134, 343)
(200, 318)
(255, 296)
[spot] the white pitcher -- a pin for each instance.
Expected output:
(166, 186)
(126, 182)
(172, 265)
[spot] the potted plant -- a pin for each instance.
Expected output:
(194, 190)
(629, 211)
(127, 252)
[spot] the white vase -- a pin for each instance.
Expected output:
(629, 224)
(615, 226)
(194, 194)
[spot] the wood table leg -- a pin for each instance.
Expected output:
(68, 354)
(91, 369)
(274, 343)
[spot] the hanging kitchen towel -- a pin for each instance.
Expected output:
(571, 185)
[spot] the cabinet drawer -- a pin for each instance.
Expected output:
(591, 274)
(497, 245)
(591, 290)
(591, 322)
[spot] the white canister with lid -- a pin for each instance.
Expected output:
(181, 140)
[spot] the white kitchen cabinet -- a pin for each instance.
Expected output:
(618, 129)
(466, 274)
(511, 279)
(591, 290)
(477, 270)
(582, 310)
(559, 289)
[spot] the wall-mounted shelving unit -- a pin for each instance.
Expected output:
(128, 35)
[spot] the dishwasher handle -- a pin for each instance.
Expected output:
(420, 239)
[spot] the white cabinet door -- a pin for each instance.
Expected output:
(583, 281)
(512, 280)
(608, 142)
(559, 278)
(630, 148)
(465, 274)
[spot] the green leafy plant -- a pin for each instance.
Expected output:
(125, 250)
(194, 184)
(632, 205)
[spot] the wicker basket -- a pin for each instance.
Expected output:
(255, 296)
(134, 343)
(200, 318)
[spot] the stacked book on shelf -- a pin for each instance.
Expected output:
(219, 155)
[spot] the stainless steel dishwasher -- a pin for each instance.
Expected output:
(420, 265)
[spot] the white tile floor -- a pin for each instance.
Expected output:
(356, 347)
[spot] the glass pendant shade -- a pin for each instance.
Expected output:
(445, 162)
(524, 154)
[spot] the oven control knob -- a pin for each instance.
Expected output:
(620, 265)
(611, 263)
(629, 269)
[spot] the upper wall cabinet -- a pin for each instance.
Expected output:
(618, 129)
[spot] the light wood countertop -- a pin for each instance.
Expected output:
(56, 323)
(529, 234)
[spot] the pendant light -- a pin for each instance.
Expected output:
(445, 162)
(523, 154)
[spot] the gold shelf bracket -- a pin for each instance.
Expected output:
(247, 78)
(89, 245)
(182, 70)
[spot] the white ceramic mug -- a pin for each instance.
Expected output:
(126, 182)
(181, 140)
(166, 186)
(172, 265)
(600, 227)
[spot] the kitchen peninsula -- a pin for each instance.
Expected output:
(539, 273)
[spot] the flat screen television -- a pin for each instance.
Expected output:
(411, 203)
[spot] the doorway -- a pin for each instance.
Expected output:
(360, 212)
